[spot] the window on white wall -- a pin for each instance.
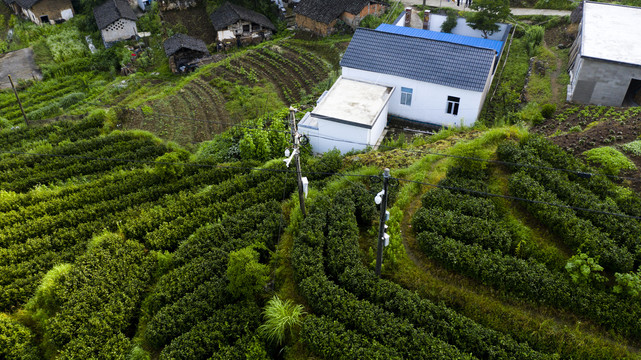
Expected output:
(452, 105)
(406, 96)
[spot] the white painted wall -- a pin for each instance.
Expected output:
(28, 13)
(120, 29)
(379, 126)
(429, 101)
(343, 137)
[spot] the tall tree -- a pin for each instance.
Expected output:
(487, 14)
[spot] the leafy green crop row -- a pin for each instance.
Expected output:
(530, 280)
(366, 307)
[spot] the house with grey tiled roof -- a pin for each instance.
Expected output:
(233, 22)
(321, 16)
(184, 52)
(116, 21)
(436, 82)
(42, 11)
(391, 72)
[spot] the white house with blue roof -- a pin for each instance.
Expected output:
(415, 75)
(439, 79)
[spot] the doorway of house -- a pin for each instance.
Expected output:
(633, 95)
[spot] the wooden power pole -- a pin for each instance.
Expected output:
(18, 98)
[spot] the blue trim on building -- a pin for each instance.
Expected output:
(446, 37)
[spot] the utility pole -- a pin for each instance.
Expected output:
(381, 199)
(19, 103)
(296, 153)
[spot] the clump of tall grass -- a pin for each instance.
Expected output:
(281, 318)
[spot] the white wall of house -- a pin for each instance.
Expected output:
(29, 14)
(120, 29)
(378, 126)
(325, 135)
(429, 102)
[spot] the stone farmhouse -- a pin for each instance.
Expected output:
(116, 21)
(321, 16)
(235, 24)
(184, 52)
(42, 11)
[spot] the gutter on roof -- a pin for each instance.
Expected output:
(611, 4)
(346, 122)
(610, 61)
(582, 30)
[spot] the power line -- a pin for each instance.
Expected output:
(576, 172)
(216, 122)
(81, 157)
(320, 173)
(231, 125)
(500, 162)
(152, 162)
(519, 199)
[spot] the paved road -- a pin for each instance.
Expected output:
(515, 11)
(20, 65)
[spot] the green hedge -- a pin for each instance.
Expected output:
(223, 327)
(533, 281)
(579, 234)
(99, 299)
(331, 340)
(17, 342)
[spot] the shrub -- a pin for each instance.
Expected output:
(531, 113)
(330, 339)
(16, 340)
(611, 160)
(547, 110)
(48, 299)
(628, 284)
(533, 37)
(371, 21)
(168, 165)
(583, 269)
(100, 293)
(66, 45)
(246, 275)
(50, 110)
(450, 22)
(71, 99)
(281, 318)
(4, 123)
(633, 147)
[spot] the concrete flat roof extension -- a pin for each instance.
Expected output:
(351, 101)
(611, 32)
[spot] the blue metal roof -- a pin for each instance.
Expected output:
(439, 36)
(438, 62)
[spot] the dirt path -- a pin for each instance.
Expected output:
(554, 76)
